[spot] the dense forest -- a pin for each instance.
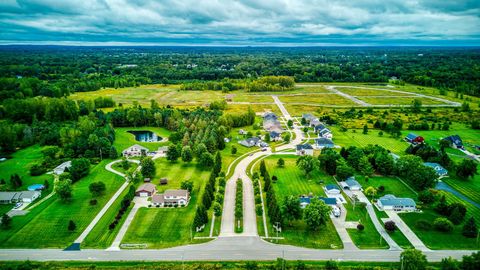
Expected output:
(55, 71)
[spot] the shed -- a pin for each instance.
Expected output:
(146, 190)
(163, 181)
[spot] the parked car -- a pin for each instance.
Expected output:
(18, 205)
(264, 149)
(336, 211)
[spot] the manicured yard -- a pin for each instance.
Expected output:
(357, 138)
(435, 239)
(124, 139)
(46, 225)
(167, 227)
(20, 164)
(4, 208)
(392, 185)
(369, 238)
(101, 236)
(291, 181)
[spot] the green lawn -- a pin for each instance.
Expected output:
(101, 236)
(124, 139)
(357, 138)
(369, 238)
(435, 239)
(4, 208)
(291, 181)
(20, 164)
(167, 227)
(469, 188)
(118, 167)
(392, 185)
(46, 225)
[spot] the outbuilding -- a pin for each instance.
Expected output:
(146, 190)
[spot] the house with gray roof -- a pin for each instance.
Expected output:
(9, 197)
(324, 143)
(305, 149)
(389, 202)
(171, 197)
(437, 167)
(135, 150)
(250, 142)
(64, 167)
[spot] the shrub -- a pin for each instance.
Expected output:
(381, 189)
(423, 224)
(427, 197)
(274, 178)
(37, 169)
(390, 226)
(360, 227)
(443, 224)
(93, 202)
(259, 209)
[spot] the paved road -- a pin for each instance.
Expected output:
(221, 249)
(347, 96)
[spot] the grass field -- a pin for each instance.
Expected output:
(124, 139)
(392, 186)
(469, 188)
(317, 99)
(399, 100)
(167, 227)
(46, 225)
(291, 181)
(358, 92)
(20, 164)
(357, 138)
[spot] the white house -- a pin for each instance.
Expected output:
(304, 150)
(62, 167)
(19, 196)
(135, 150)
(171, 197)
(390, 202)
(332, 189)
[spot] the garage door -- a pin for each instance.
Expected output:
(143, 194)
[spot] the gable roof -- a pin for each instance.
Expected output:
(175, 193)
(274, 134)
(323, 141)
(138, 146)
(320, 127)
(305, 146)
(308, 116)
(411, 136)
(332, 187)
(390, 199)
(149, 187)
(158, 198)
(437, 167)
(324, 131)
(270, 115)
(455, 139)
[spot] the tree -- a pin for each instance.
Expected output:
(281, 162)
(187, 185)
(449, 264)
(263, 168)
(97, 188)
(71, 226)
(6, 222)
(148, 169)
(328, 160)
(385, 163)
(365, 129)
(456, 216)
(426, 197)
(15, 181)
(291, 208)
(370, 191)
(316, 214)
(471, 262)
(416, 105)
(343, 170)
(286, 137)
(290, 123)
(443, 224)
(187, 154)
(470, 229)
(307, 164)
(46, 184)
(364, 166)
(64, 190)
(390, 226)
(267, 137)
(206, 160)
(466, 169)
(172, 153)
(80, 168)
(234, 150)
(412, 170)
(413, 259)
(113, 154)
(201, 217)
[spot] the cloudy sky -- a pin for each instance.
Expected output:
(241, 22)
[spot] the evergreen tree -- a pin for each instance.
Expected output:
(470, 229)
(187, 154)
(71, 226)
(6, 222)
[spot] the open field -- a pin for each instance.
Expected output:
(357, 138)
(167, 227)
(469, 188)
(46, 225)
(124, 139)
(20, 164)
(399, 100)
(317, 99)
(291, 181)
(358, 92)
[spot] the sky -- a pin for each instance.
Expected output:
(241, 22)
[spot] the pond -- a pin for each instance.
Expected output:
(145, 136)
